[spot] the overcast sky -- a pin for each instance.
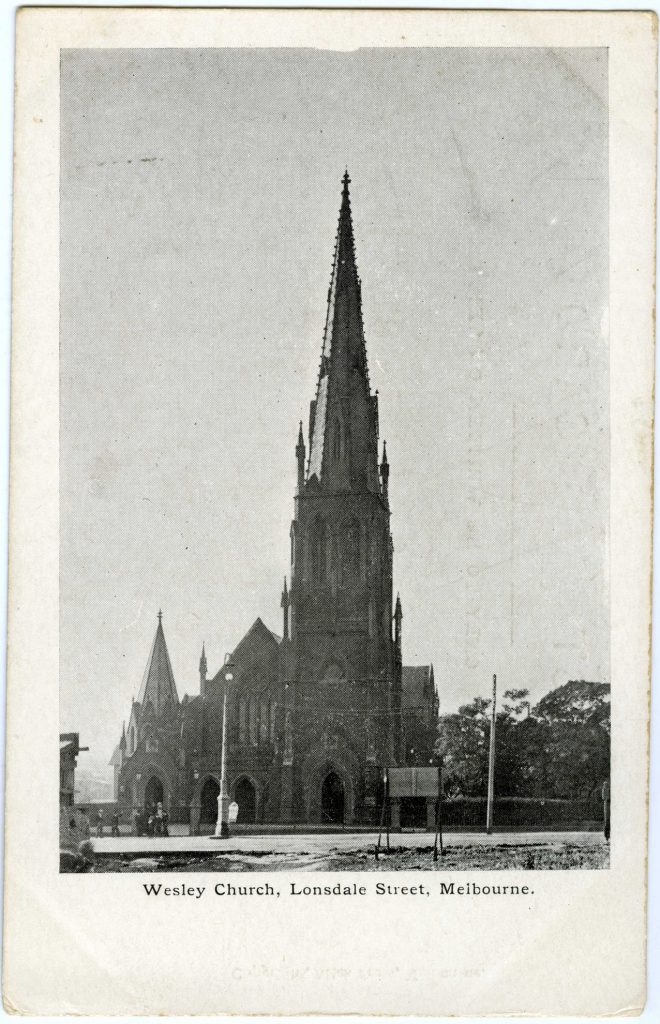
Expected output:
(200, 195)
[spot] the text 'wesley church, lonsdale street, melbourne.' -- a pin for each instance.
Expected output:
(315, 715)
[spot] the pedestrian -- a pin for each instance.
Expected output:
(99, 824)
(115, 824)
(166, 820)
(606, 809)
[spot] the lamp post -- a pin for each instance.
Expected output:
(222, 824)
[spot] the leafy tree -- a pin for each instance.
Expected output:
(516, 702)
(463, 745)
(558, 748)
(576, 702)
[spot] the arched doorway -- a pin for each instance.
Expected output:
(208, 803)
(332, 800)
(153, 793)
(245, 796)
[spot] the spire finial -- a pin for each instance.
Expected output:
(160, 616)
(384, 453)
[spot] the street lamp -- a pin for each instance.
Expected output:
(222, 824)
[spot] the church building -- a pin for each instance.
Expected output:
(316, 714)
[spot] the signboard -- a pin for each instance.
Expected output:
(233, 812)
(413, 782)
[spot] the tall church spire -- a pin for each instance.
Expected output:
(343, 416)
(158, 686)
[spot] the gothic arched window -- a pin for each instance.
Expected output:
(272, 722)
(253, 721)
(263, 721)
(351, 558)
(242, 721)
(319, 553)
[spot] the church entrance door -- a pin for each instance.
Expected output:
(208, 809)
(332, 800)
(246, 798)
(153, 793)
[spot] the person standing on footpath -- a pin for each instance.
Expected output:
(99, 824)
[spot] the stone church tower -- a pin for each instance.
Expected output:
(341, 658)
(314, 715)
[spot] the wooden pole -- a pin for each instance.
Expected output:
(491, 763)
(438, 817)
(387, 807)
(382, 814)
(442, 849)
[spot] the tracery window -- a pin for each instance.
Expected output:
(319, 551)
(253, 721)
(351, 551)
(242, 721)
(263, 721)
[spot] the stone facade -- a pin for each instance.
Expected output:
(315, 715)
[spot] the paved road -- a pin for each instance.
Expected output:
(320, 843)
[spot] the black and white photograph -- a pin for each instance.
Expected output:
(334, 460)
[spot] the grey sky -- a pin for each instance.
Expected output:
(200, 194)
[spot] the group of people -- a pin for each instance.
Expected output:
(100, 823)
(151, 821)
(147, 821)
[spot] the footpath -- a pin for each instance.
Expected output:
(321, 843)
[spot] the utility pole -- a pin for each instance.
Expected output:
(491, 763)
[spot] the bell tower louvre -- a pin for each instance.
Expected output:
(316, 714)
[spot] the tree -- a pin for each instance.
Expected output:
(558, 748)
(576, 702)
(463, 745)
(576, 717)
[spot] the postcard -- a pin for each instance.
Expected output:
(330, 512)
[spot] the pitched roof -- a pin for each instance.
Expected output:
(258, 637)
(416, 684)
(158, 684)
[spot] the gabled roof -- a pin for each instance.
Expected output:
(417, 685)
(158, 684)
(259, 640)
